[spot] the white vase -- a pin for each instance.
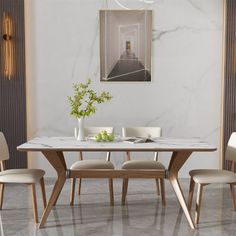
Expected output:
(81, 136)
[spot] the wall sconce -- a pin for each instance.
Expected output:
(7, 47)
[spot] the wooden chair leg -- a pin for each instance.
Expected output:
(79, 187)
(124, 190)
(111, 192)
(163, 194)
(233, 196)
(34, 203)
(158, 187)
(2, 186)
(72, 191)
(42, 185)
(198, 203)
(190, 195)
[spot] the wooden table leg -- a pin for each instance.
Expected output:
(177, 161)
(57, 160)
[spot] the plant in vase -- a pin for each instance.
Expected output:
(83, 103)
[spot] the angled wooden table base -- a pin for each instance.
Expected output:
(177, 161)
(57, 160)
(53, 148)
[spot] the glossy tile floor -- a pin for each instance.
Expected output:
(92, 215)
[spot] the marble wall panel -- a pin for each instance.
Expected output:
(184, 97)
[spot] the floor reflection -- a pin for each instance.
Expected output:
(142, 216)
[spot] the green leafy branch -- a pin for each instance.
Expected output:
(84, 99)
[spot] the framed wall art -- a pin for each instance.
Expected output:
(125, 45)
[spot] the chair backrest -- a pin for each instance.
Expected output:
(95, 130)
(149, 132)
(230, 153)
(92, 131)
(4, 152)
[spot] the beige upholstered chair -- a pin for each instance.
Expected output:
(25, 176)
(212, 176)
(92, 164)
(129, 164)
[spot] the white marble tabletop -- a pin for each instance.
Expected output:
(71, 144)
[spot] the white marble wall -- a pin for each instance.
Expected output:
(183, 98)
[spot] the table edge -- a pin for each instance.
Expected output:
(118, 149)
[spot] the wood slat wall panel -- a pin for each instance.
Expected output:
(230, 74)
(13, 92)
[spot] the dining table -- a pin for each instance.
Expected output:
(53, 149)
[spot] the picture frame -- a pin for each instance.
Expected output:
(125, 45)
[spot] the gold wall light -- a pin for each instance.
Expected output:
(7, 46)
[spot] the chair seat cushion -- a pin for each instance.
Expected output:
(26, 176)
(92, 164)
(140, 164)
(205, 176)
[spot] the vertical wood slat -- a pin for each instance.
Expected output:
(13, 92)
(230, 75)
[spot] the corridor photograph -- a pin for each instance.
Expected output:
(125, 45)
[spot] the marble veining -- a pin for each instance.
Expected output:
(161, 144)
(159, 34)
